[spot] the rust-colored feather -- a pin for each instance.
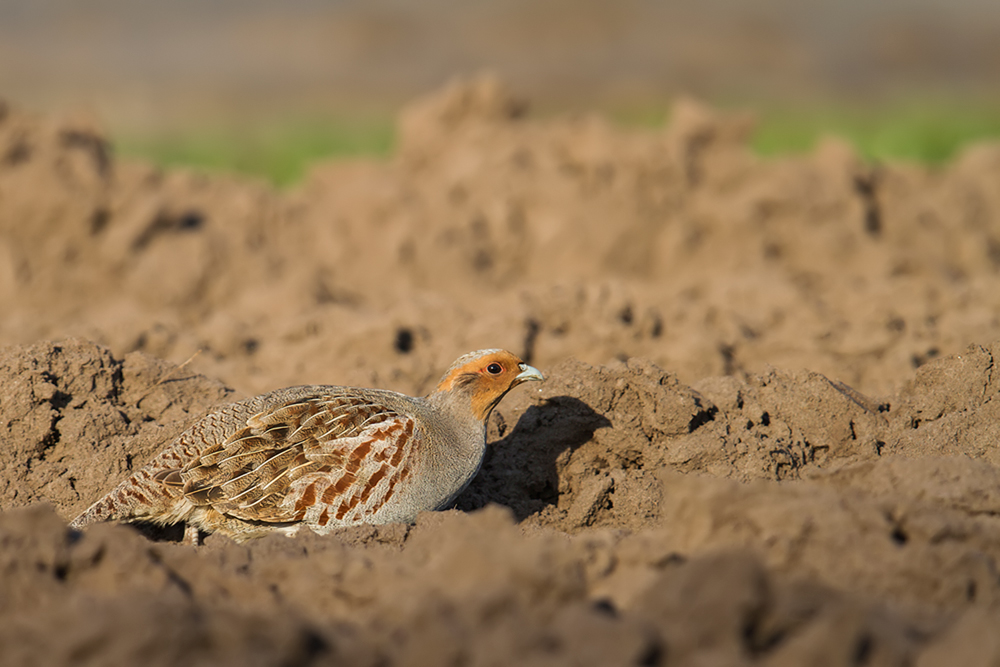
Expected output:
(315, 454)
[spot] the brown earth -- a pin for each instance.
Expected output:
(767, 437)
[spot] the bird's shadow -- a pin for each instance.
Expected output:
(520, 469)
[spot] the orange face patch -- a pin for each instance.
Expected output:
(486, 376)
(485, 365)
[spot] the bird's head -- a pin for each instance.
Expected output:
(484, 377)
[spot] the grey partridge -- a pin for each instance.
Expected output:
(321, 456)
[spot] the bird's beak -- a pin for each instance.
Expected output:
(528, 373)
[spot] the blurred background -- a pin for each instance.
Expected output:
(265, 87)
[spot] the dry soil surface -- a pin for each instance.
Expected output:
(768, 434)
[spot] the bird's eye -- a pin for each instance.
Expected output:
(494, 369)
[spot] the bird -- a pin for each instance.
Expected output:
(320, 457)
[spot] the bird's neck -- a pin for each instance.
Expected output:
(463, 407)
(461, 454)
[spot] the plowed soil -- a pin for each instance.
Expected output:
(768, 434)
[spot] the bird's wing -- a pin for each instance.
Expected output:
(317, 458)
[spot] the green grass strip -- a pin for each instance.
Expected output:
(282, 152)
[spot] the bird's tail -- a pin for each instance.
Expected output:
(141, 497)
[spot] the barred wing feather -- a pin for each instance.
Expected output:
(318, 459)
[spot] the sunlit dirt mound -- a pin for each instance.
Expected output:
(768, 433)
